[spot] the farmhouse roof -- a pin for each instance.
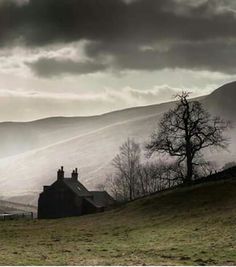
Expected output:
(101, 197)
(76, 187)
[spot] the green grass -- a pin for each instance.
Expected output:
(195, 226)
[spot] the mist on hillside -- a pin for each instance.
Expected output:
(31, 152)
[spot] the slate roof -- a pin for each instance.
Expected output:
(93, 203)
(81, 191)
(102, 198)
(77, 187)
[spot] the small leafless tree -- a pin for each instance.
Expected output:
(117, 187)
(185, 131)
(155, 176)
(205, 168)
(148, 178)
(126, 165)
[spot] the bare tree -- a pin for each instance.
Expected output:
(185, 131)
(132, 179)
(206, 168)
(117, 187)
(155, 176)
(126, 165)
(148, 178)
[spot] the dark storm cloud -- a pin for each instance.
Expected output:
(213, 56)
(119, 28)
(48, 67)
(42, 22)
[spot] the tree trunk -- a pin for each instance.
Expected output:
(189, 170)
(189, 175)
(130, 193)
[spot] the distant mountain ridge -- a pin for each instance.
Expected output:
(32, 151)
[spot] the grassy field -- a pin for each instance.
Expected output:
(195, 226)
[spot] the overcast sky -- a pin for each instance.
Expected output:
(85, 57)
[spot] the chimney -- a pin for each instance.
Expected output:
(60, 173)
(74, 174)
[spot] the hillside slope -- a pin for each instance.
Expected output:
(222, 101)
(188, 226)
(20, 137)
(31, 152)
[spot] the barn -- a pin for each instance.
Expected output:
(68, 197)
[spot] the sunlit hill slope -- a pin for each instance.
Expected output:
(31, 152)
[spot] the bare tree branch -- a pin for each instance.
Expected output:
(185, 131)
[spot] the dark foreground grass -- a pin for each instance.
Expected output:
(195, 226)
